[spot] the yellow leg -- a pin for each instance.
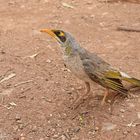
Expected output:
(104, 98)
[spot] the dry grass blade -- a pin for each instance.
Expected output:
(24, 82)
(32, 56)
(7, 77)
(67, 5)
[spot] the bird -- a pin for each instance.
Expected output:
(89, 67)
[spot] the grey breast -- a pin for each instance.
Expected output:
(75, 64)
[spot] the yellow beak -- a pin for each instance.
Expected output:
(51, 33)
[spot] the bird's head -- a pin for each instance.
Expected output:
(66, 40)
(59, 35)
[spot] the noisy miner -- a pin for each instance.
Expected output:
(89, 67)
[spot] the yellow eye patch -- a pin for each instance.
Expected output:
(61, 34)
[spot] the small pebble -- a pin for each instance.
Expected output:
(135, 134)
(96, 128)
(105, 13)
(34, 129)
(22, 6)
(138, 114)
(131, 105)
(108, 126)
(89, 2)
(22, 138)
(109, 101)
(122, 110)
(45, 1)
(63, 137)
(48, 61)
(2, 52)
(15, 128)
(77, 129)
(67, 22)
(19, 121)
(79, 88)
(21, 126)
(69, 92)
(55, 136)
(72, 89)
(125, 132)
(17, 117)
(21, 134)
(11, 3)
(92, 16)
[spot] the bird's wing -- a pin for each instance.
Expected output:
(114, 79)
(102, 73)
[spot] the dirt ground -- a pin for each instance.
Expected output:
(36, 90)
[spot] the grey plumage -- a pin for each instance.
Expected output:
(88, 66)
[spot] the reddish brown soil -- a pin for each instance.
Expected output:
(35, 100)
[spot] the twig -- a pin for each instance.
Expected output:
(128, 29)
(24, 82)
(122, 1)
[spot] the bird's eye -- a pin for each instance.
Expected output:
(57, 32)
(60, 35)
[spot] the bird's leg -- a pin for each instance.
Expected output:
(80, 100)
(104, 98)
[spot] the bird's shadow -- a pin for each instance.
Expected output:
(93, 104)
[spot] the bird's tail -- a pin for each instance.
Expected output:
(131, 80)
